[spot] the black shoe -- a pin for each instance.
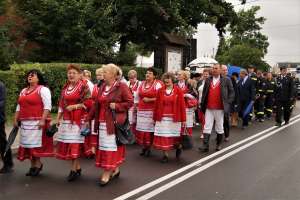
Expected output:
(72, 176)
(178, 153)
(104, 183)
(30, 172)
(165, 159)
(143, 152)
(148, 153)
(115, 175)
(78, 171)
(278, 124)
(6, 169)
(261, 120)
(286, 122)
(219, 142)
(36, 170)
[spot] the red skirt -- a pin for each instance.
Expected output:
(165, 143)
(69, 151)
(144, 139)
(89, 142)
(201, 117)
(46, 150)
(110, 160)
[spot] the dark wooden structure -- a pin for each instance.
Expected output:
(174, 52)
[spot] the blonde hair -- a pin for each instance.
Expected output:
(113, 69)
(133, 73)
(186, 74)
(99, 70)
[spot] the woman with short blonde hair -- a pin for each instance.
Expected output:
(113, 96)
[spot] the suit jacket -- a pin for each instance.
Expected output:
(285, 88)
(227, 93)
(246, 91)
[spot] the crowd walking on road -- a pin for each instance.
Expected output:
(98, 120)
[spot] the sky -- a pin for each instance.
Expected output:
(282, 27)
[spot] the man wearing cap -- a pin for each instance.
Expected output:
(269, 93)
(284, 94)
(7, 158)
(246, 94)
(259, 105)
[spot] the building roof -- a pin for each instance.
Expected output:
(175, 39)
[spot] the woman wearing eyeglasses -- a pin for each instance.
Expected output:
(34, 143)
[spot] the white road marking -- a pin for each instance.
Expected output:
(194, 164)
(210, 164)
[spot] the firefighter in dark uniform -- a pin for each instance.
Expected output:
(284, 96)
(253, 77)
(259, 106)
(269, 94)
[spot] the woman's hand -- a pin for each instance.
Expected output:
(71, 107)
(112, 106)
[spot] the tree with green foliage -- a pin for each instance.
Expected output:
(69, 30)
(246, 44)
(144, 21)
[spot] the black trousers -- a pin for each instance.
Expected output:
(283, 108)
(259, 107)
(269, 102)
(242, 107)
(226, 125)
(7, 159)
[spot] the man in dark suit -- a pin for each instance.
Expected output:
(284, 95)
(246, 93)
(7, 158)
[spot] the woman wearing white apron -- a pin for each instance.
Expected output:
(133, 85)
(147, 93)
(34, 143)
(190, 95)
(75, 99)
(113, 95)
(169, 115)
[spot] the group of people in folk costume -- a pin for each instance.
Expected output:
(160, 112)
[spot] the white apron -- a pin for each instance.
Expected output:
(69, 133)
(106, 142)
(167, 128)
(190, 114)
(145, 121)
(31, 135)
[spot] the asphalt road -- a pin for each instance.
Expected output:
(266, 170)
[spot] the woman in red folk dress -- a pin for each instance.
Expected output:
(133, 85)
(74, 100)
(34, 143)
(113, 95)
(190, 96)
(146, 95)
(169, 115)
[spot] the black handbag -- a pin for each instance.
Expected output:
(51, 130)
(122, 131)
(186, 141)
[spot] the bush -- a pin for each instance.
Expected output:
(55, 75)
(10, 81)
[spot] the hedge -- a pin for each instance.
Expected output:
(10, 81)
(55, 75)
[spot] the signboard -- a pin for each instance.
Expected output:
(174, 60)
